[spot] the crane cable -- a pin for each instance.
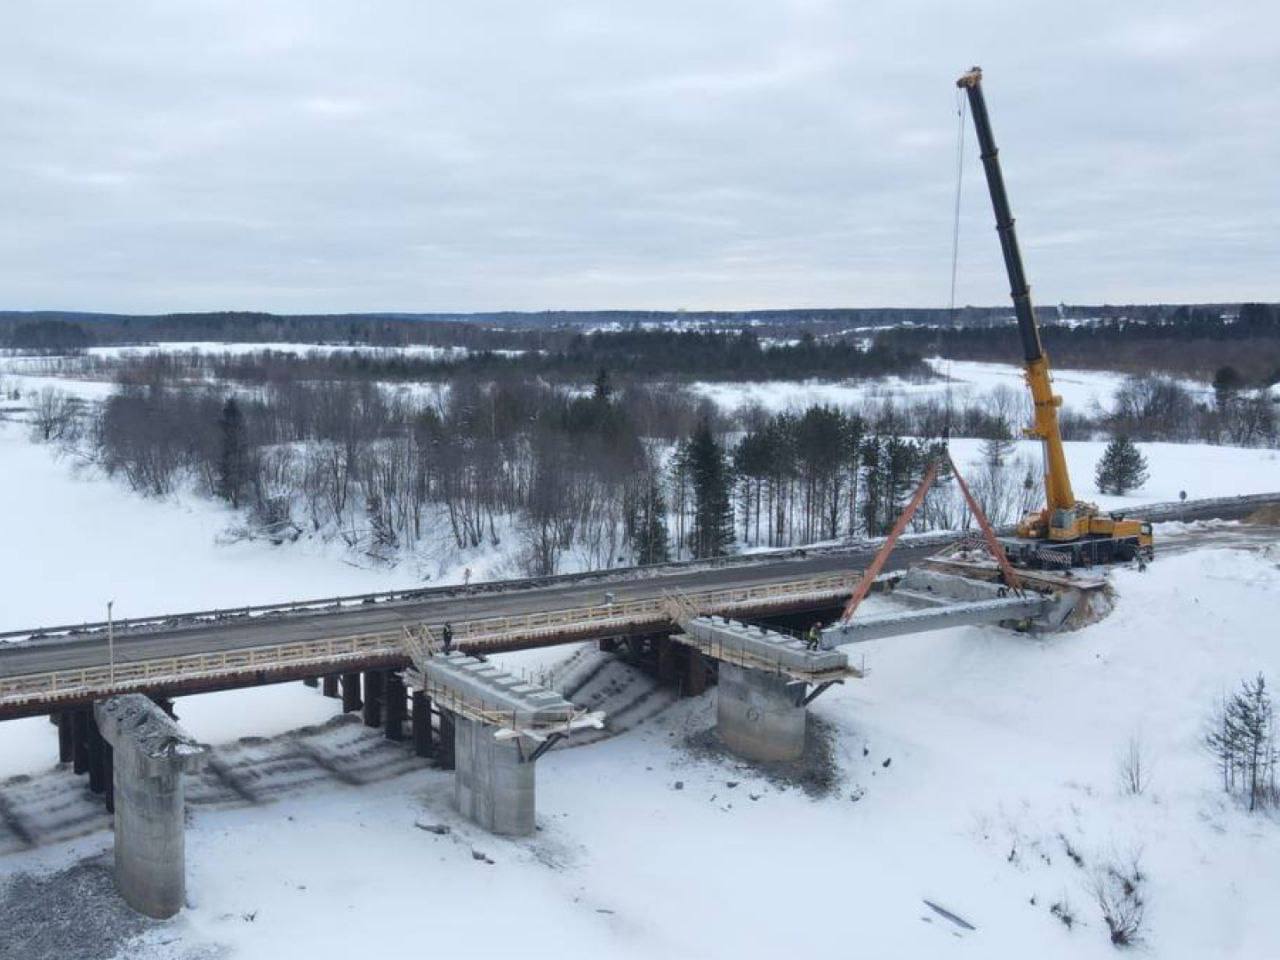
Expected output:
(961, 104)
(955, 225)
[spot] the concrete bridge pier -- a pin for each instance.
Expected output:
(494, 781)
(329, 685)
(151, 753)
(760, 715)
(763, 685)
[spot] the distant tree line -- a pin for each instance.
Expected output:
(642, 354)
(1189, 341)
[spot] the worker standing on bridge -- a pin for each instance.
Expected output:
(447, 634)
(813, 637)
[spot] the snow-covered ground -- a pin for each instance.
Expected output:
(1081, 390)
(1002, 751)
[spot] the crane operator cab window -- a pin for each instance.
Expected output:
(1062, 520)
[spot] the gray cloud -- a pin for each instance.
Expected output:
(327, 156)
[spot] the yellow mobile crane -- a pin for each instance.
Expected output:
(1067, 532)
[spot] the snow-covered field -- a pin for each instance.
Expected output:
(967, 380)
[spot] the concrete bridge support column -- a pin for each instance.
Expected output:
(329, 685)
(494, 785)
(758, 714)
(422, 745)
(396, 698)
(151, 754)
(351, 701)
(311, 681)
(373, 698)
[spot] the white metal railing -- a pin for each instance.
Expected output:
(477, 635)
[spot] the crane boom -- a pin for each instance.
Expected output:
(1065, 531)
(1057, 483)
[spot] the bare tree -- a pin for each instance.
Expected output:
(1134, 767)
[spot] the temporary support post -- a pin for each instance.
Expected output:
(1011, 579)
(877, 564)
(80, 740)
(373, 698)
(311, 681)
(351, 692)
(329, 685)
(421, 721)
(393, 727)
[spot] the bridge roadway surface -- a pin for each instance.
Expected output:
(79, 650)
(73, 651)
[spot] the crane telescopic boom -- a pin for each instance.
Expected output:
(1065, 531)
(1057, 483)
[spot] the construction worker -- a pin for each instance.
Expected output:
(447, 634)
(813, 637)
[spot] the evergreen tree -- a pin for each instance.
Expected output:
(651, 544)
(233, 453)
(1122, 467)
(712, 533)
(1242, 739)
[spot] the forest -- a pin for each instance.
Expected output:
(1192, 342)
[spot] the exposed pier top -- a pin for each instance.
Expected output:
(760, 648)
(133, 722)
(481, 691)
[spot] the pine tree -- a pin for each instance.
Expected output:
(233, 453)
(1122, 467)
(651, 544)
(712, 533)
(1242, 739)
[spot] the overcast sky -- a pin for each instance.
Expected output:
(423, 156)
